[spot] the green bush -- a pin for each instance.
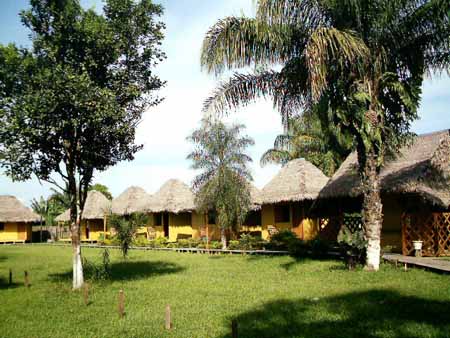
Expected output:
(141, 241)
(353, 246)
(282, 240)
(319, 247)
(298, 248)
(98, 272)
(215, 245)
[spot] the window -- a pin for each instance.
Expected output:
(2, 226)
(157, 219)
(253, 218)
(211, 217)
(282, 213)
(183, 218)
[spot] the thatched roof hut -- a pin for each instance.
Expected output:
(12, 210)
(297, 181)
(173, 196)
(95, 207)
(133, 199)
(421, 169)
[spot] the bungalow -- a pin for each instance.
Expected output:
(287, 198)
(415, 193)
(15, 220)
(173, 212)
(132, 200)
(93, 222)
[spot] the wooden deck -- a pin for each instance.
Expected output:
(431, 263)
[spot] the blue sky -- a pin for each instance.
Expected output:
(164, 128)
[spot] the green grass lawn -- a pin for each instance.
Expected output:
(269, 296)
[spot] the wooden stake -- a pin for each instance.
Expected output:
(121, 304)
(234, 328)
(27, 280)
(86, 294)
(168, 322)
(10, 277)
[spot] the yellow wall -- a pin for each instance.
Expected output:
(16, 231)
(96, 227)
(307, 229)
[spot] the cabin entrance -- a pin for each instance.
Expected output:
(165, 220)
(87, 231)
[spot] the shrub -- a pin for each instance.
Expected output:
(319, 247)
(353, 246)
(282, 240)
(141, 241)
(98, 271)
(215, 245)
(298, 248)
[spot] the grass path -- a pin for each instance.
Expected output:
(269, 296)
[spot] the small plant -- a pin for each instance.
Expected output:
(99, 271)
(141, 241)
(353, 246)
(126, 229)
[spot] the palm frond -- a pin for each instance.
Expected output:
(239, 42)
(275, 156)
(333, 46)
(306, 13)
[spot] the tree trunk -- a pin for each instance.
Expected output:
(372, 212)
(223, 238)
(75, 218)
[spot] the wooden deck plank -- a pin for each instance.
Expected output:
(432, 263)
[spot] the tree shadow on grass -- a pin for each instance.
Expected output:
(127, 270)
(374, 313)
(4, 284)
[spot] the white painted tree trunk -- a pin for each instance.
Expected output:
(77, 267)
(223, 237)
(372, 213)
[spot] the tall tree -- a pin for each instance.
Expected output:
(70, 105)
(306, 138)
(223, 184)
(363, 61)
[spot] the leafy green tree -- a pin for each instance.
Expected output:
(223, 184)
(126, 228)
(362, 61)
(305, 138)
(103, 189)
(70, 105)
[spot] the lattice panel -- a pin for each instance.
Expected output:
(419, 227)
(443, 231)
(353, 223)
(329, 228)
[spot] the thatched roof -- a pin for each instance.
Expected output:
(297, 181)
(133, 199)
(422, 168)
(173, 196)
(255, 196)
(95, 207)
(12, 210)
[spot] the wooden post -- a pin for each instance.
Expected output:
(86, 294)
(121, 304)
(406, 267)
(10, 277)
(234, 328)
(26, 281)
(168, 321)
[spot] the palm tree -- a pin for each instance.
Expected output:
(362, 60)
(40, 207)
(305, 138)
(222, 186)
